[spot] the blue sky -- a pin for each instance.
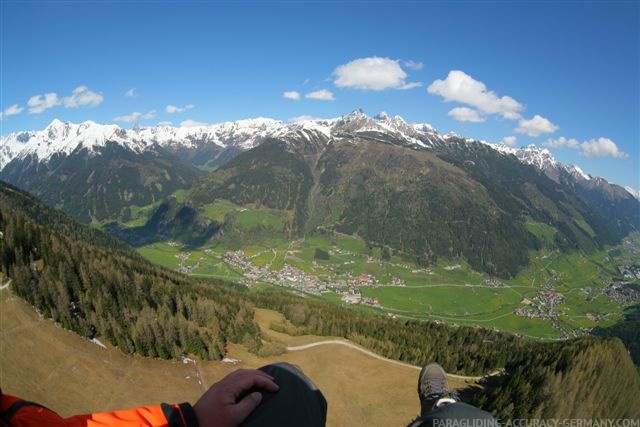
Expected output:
(559, 74)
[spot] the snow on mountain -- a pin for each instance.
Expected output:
(65, 137)
(635, 193)
(541, 158)
(577, 173)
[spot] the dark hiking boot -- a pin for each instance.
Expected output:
(433, 388)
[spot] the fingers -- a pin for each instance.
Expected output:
(246, 379)
(243, 408)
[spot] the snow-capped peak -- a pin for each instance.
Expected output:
(541, 158)
(576, 172)
(634, 192)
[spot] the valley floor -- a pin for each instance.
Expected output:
(557, 296)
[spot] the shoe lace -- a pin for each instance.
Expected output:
(436, 387)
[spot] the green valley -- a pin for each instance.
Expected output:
(557, 295)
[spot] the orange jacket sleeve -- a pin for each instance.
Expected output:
(21, 413)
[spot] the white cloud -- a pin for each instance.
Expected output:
(413, 65)
(291, 94)
(135, 116)
(302, 118)
(192, 123)
(372, 73)
(411, 85)
(461, 87)
(464, 114)
(79, 97)
(509, 141)
(11, 111)
(129, 118)
(82, 96)
(536, 126)
(150, 115)
(320, 95)
(601, 147)
(561, 142)
(131, 92)
(171, 109)
(38, 103)
(165, 123)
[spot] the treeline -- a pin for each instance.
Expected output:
(628, 330)
(587, 378)
(468, 350)
(96, 291)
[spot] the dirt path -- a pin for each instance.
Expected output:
(374, 355)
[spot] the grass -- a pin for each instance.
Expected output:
(450, 291)
(52, 366)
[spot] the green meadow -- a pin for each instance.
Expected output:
(449, 291)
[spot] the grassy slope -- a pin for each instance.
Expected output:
(360, 390)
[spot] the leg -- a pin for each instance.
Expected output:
(297, 403)
(441, 407)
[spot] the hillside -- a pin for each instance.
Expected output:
(104, 291)
(95, 187)
(421, 198)
(586, 379)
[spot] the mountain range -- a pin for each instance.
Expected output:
(402, 187)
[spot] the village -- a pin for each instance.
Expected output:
(543, 306)
(348, 286)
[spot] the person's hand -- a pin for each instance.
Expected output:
(218, 406)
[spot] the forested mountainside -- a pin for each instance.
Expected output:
(460, 199)
(96, 185)
(401, 186)
(102, 291)
(585, 378)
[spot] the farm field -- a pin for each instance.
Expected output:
(556, 296)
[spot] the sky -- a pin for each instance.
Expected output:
(560, 75)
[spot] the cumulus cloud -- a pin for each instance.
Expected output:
(536, 126)
(131, 92)
(150, 115)
(464, 114)
(165, 123)
(291, 94)
(11, 111)
(561, 142)
(413, 65)
(601, 147)
(82, 96)
(411, 85)
(192, 123)
(38, 103)
(320, 95)
(509, 141)
(135, 116)
(461, 87)
(372, 73)
(302, 118)
(172, 109)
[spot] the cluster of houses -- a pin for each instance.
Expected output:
(544, 305)
(623, 293)
(348, 287)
